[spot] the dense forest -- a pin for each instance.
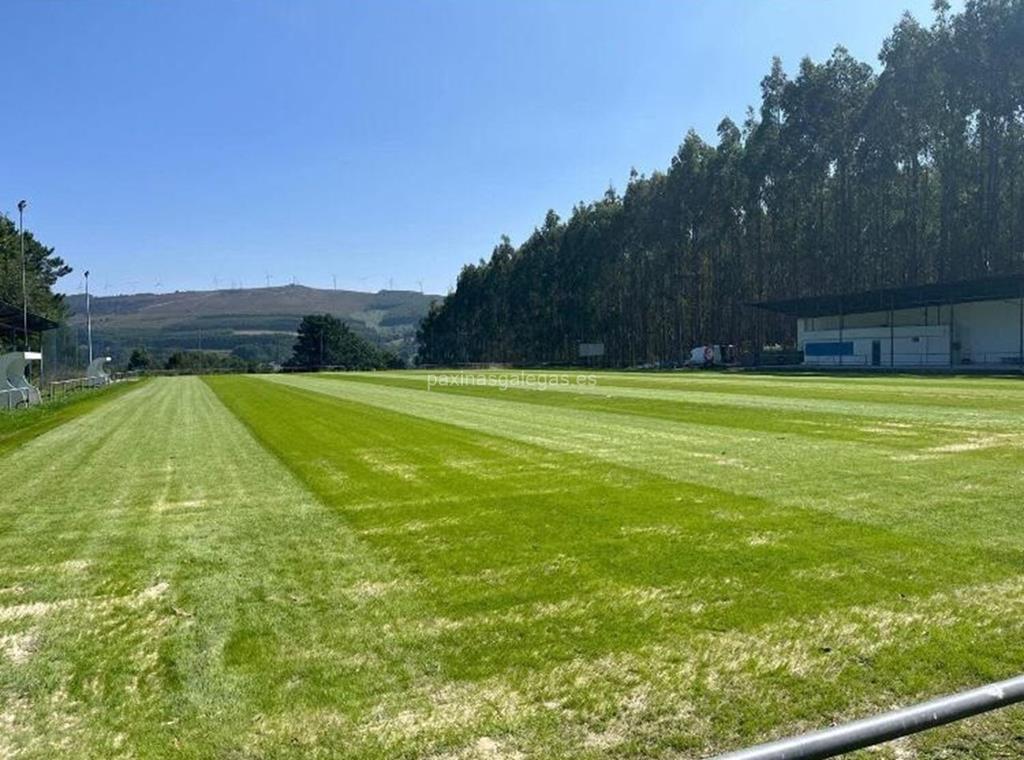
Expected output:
(842, 179)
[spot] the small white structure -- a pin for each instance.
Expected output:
(711, 355)
(95, 374)
(976, 323)
(15, 389)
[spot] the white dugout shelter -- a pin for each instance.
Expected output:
(971, 323)
(96, 374)
(15, 388)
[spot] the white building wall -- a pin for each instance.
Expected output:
(915, 346)
(988, 332)
(983, 333)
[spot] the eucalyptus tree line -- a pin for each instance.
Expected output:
(842, 179)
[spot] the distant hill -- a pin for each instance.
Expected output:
(254, 323)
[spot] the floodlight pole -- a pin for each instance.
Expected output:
(88, 315)
(24, 276)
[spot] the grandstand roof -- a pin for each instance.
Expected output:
(11, 320)
(914, 296)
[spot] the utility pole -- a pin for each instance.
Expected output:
(24, 275)
(88, 315)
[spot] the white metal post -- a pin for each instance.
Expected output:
(88, 315)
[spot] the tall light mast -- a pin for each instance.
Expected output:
(24, 275)
(88, 315)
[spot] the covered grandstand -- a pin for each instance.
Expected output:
(970, 323)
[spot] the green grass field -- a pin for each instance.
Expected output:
(374, 566)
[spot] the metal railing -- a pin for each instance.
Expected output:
(57, 389)
(1002, 359)
(61, 388)
(925, 360)
(901, 359)
(888, 726)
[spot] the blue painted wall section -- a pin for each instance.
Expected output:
(837, 348)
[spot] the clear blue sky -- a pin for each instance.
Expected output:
(175, 145)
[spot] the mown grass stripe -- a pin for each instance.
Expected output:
(697, 410)
(961, 393)
(171, 583)
(22, 425)
(915, 490)
(1005, 411)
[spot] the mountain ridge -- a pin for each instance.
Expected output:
(257, 323)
